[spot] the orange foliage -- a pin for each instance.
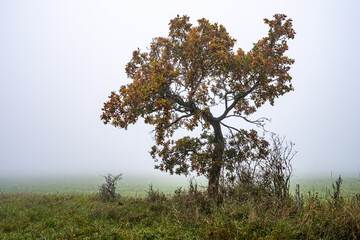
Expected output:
(182, 77)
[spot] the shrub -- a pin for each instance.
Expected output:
(267, 176)
(154, 196)
(107, 190)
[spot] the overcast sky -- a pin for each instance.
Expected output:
(59, 60)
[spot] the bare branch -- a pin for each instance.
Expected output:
(260, 122)
(231, 128)
(178, 119)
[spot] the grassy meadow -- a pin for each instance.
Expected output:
(129, 185)
(69, 208)
(137, 185)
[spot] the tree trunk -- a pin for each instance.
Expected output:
(217, 161)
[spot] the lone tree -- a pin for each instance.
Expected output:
(194, 80)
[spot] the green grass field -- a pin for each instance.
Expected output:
(133, 185)
(70, 208)
(136, 185)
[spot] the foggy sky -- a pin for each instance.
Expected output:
(59, 60)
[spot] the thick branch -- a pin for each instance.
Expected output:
(188, 106)
(237, 98)
(175, 99)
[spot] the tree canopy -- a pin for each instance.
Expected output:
(183, 78)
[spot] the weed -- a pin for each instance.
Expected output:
(336, 191)
(107, 191)
(154, 196)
